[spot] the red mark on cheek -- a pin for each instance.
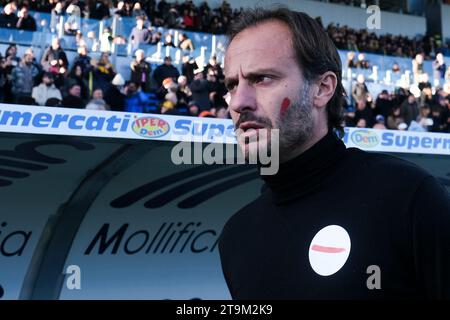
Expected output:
(284, 106)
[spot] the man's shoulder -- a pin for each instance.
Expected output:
(385, 166)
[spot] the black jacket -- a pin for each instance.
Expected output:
(332, 216)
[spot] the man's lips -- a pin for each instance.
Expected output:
(250, 125)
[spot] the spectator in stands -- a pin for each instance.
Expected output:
(106, 39)
(104, 72)
(166, 70)
(362, 63)
(168, 41)
(56, 14)
(184, 92)
(364, 111)
(138, 101)
(193, 109)
(46, 90)
(72, 24)
(11, 61)
(439, 69)
(101, 10)
(168, 85)
(139, 34)
(11, 55)
(189, 19)
(73, 99)
(396, 68)
(55, 56)
(8, 17)
(418, 66)
(446, 116)
(409, 109)
(140, 71)
(188, 66)
(383, 104)
(114, 96)
(200, 91)
(394, 119)
(351, 60)
(3, 77)
(75, 76)
(156, 37)
(426, 96)
(23, 76)
(138, 11)
(26, 22)
(83, 60)
(424, 119)
(124, 9)
(185, 43)
(97, 102)
(361, 123)
(359, 90)
(379, 122)
(222, 113)
(438, 122)
(215, 68)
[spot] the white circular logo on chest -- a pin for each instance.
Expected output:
(329, 250)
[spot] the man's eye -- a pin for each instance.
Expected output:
(231, 86)
(262, 80)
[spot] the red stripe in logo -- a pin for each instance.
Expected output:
(318, 248)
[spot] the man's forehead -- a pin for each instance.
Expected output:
(266, 45)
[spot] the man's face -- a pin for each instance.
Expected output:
(140, 55)
(75, 91)
(47, 80)
(28, 58)
(97, 94)
(267, 90)
(55, 44)
(24, 12)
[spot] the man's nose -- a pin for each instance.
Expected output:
(244, 98)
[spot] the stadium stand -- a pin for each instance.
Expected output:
(162, 57)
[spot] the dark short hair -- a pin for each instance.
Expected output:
(315, 51)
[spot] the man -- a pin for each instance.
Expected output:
(359, 89)
(200, 89)
(8, 18)
(73, 99)
(26, 22)
(383, 104)
(141, 70)
(46, 90)
(166, 70)
(55, 57)
(330, 215)
(140, 34)
(409, 110)
(23, 76)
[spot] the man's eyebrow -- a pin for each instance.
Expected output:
(252, 75)
(261, 72)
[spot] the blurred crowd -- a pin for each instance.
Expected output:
(183, 15)
(197, 89)
(95, 84)
(346, 38)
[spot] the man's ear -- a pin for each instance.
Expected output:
(326, 86)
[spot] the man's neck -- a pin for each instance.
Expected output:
(318, 134)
